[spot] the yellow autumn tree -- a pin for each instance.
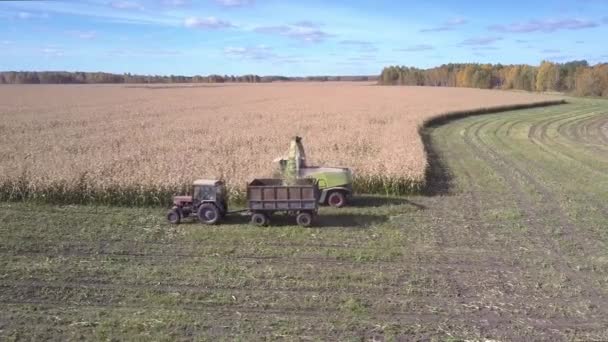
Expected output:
(547, 77)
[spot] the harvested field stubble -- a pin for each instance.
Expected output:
(137, 145)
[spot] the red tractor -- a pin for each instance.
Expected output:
(208, 203)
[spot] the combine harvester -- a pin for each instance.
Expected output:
(335, 183)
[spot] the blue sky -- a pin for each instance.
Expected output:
(271, 37)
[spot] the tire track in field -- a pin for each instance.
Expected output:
(538, 135)
(366, 328)
(162, 256)
(443, 224)
(178, 245)
(587, 131)
(16, 289)
(529, 208)
(103, 284)
(542, 190)
(600, 128)
(466, 170)
(603, 129)
(502, 165)
(545, 194)
(570, 130)
(454, 258)
(474, 202)
(465, 294)
(320, 313)
(552, 324)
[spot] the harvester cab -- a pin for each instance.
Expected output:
(335, 183)
(208, 201)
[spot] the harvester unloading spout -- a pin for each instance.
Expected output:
(296, 160)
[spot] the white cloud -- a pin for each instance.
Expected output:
(24, 15)
(559, 58)
(143, 53)
(481, 41)
(362, 58)
(262, 53)
(52, 52)
(176, 3)
(550, 51)
(546, 26)
(84, 34)
(303, 31)
(234, 3)
(126, 5)
(485, 48)
(416, 48)
(207, 23)
(361, 45)
(448, 25)
(456, 21)
(30, 15)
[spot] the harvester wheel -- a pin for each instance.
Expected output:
(259, 219)
(173, 216)
(304, 219)
(336, 199)
(208, 214)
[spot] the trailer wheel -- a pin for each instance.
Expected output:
(208, 214)
(304, 219)
(173, 216)
(336, 199)
(259, 219)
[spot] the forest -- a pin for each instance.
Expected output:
(65, 77)
(576, 77)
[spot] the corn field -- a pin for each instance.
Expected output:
(138, 145)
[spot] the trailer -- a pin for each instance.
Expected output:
(299, 198)
(265, 197)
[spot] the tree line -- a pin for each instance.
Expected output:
(65, 77)
(576, 77)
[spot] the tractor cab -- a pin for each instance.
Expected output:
(209, 191)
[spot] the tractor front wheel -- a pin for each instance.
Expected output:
(259, 219)
(173, 216)
(208, 213)
(336, 199)
(304, 219)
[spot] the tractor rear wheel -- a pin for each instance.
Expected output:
(336, 199)
(173, 216)
(304, 219)
(259, 219)
(208, 213)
